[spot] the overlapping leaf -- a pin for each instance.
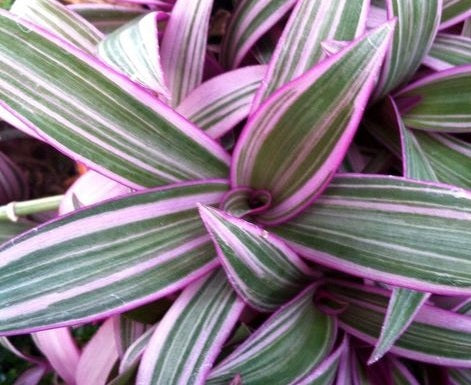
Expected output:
(436, 335)
(454, 11)
(390, 229)
(416, 28)
(283, 350)
(251, 19)
(263, 271)
(299, 47)
(187, 340)
(60, 20)
(85, 265)
(433, 103)
(97, 116)
(448, 51)
(315, 116)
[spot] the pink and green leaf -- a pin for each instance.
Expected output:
(222, 102)
(433, 103)
(97, 116)
(436, 336)
(187, 341)
(61, 21)
(264, 272)
(454, 12)
(250, 20)
(448, 51)
(284, 349)
(395, 230)
(417, 25)
(299, 47)
(184, 47)
(133, 50)
(84, 266)
(315, 118)
(460, 376)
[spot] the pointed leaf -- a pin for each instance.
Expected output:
(126, 331)
(61, 21)
(315, 118)
(61, 351)
(436, 336)
(448, 51)
(454, 11)
(98, 357)
(250, 20)
(187, 341)
(220, 103)
(299, 47)
(134, 353)
(85, 265)
(432, 103)
(106, 17)
(283, 349)
(184, 47)
(260, 267)
(390, 229)
(31, 376)
(96, 116)
(402, 308)
(417, 24)
(134, 50)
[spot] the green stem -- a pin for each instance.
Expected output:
(13, 210)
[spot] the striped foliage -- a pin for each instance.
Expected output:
(326, 371)
(448, 51)
(134, 352)
(96, 116)
(9, 229)
(417, 24)
(390, 229)
(315, 118)
(126, 332)
(401, 375)
(299, 47)
(436, 336)
(251, 19)
(454, 11)
(236, 202)
(402, 308)
(220, 103)
(106, 17)
(283, 350)
(432, 103)
(134, 50)
(187, 340)
(86, 265)
(184, 47)
(61, 21)
(263, 271)
(466, 31)
(460, 376)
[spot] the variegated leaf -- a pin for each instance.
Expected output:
(85, 266)
(314, 118)
(448, 51)
(395, 230)
(97, 116)
(454, 11)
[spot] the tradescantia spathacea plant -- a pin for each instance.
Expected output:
(283, 200)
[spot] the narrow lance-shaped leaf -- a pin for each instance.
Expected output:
(250, 20)
(220, 103)
(326, 371)
(190, 336)
(85, 266)
(126, 331)
(31, 376)
(133, 354)
(454, 11)
(417, 24)
(97, 116)
(260, 267)
(395, 230)
(436, 336)
(61, 21)
(299, 47)
(448, 51)
(433, 103)
(184, 47)
(106, 17)
(284, 349)
(402, 308)
(315, 118)
(134, 50)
